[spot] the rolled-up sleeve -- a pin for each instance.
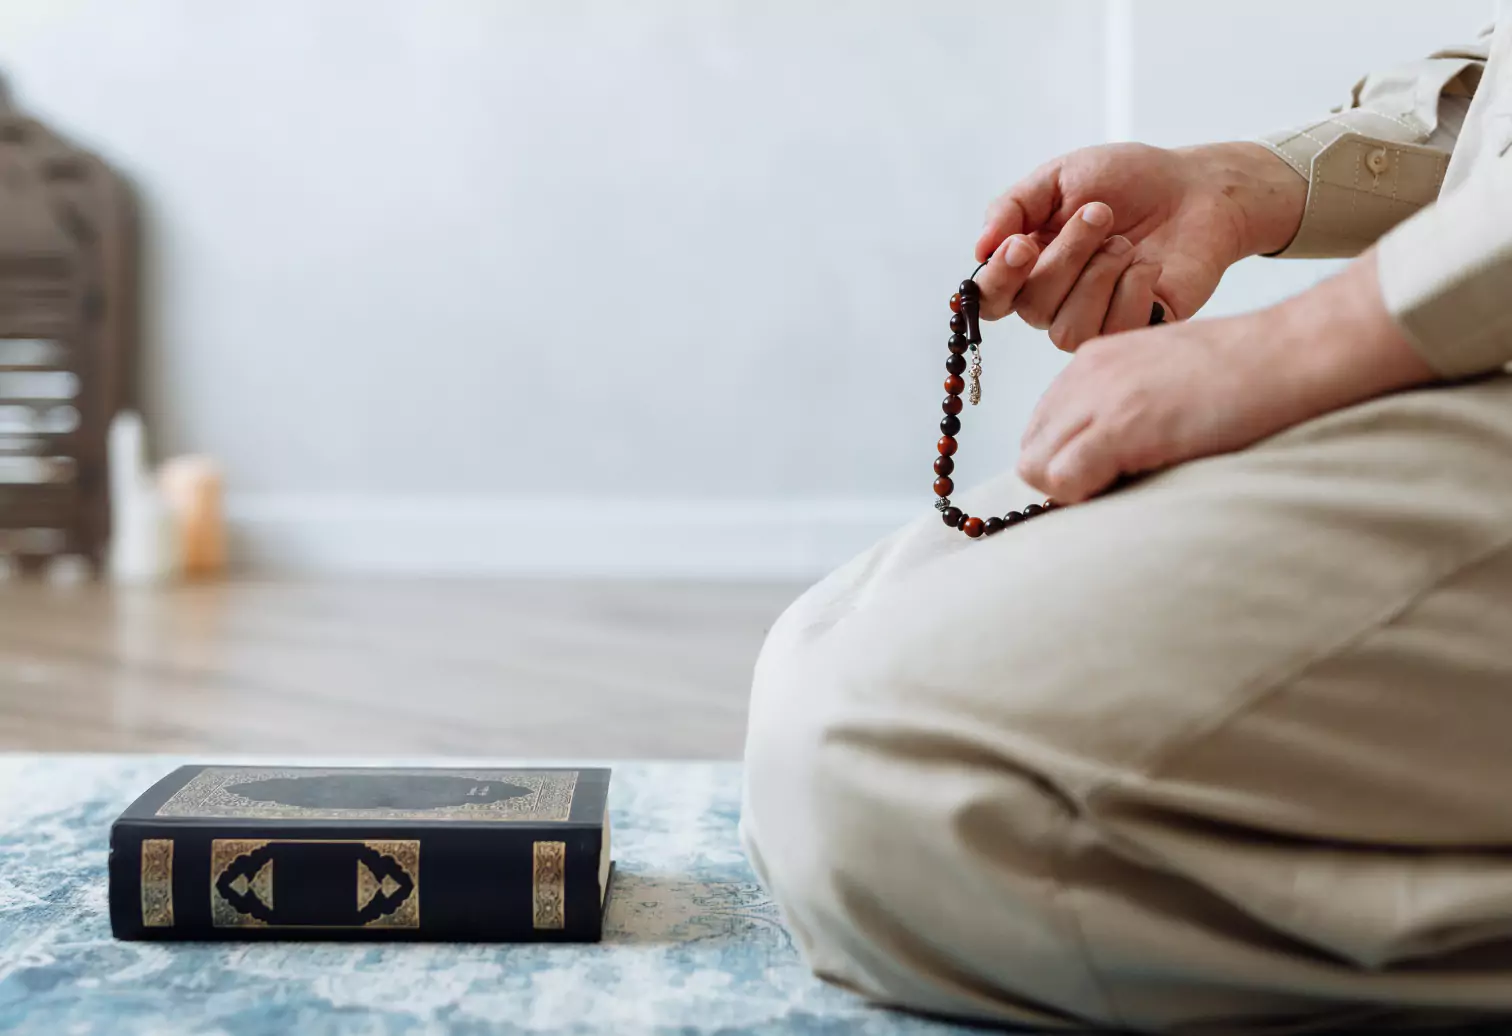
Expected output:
(1446, 275)
(1378, 159)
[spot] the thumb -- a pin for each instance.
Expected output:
(1022, 209)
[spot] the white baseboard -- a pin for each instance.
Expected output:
(506, 536)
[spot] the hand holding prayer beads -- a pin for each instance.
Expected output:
(966, 335)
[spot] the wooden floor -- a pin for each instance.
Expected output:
(551, 669)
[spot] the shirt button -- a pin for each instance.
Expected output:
(1377, 162)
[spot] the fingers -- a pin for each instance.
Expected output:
(1021, 209)
(1069, 458)
(1083, 467)
(1082, 315)
(1061, 264)
(1050, 427)
(1001, 279)
(1134, 299)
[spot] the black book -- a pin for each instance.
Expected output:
(223, 852)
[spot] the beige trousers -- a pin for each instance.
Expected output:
(1228, 751)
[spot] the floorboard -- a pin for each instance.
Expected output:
(521, 669)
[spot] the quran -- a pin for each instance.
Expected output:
(234, 852)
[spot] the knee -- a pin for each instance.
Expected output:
(794, 775)
(849, 743)
(898, 807)
(785, 738)
(866, 805)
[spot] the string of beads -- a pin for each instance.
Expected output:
(966, 336)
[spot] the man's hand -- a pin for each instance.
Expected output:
(1148, 399)
(1060, 239)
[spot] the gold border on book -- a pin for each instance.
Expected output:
(207, 794)
(549, 885)
(157, 883)
(224, 852)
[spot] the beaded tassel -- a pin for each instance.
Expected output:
(965, 334)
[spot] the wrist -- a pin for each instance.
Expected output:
(1270, 195)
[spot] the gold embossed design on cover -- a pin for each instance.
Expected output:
(549, 885)
(406, 853)
(261, 885)
(157, 883)
(536, 796)
(252, 883)
(223, 853)
(367, 886)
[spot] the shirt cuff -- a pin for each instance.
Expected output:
(1444, 276)
(1361, 182)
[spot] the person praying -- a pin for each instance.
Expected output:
(1222, 743)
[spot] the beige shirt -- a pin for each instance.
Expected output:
(1418, 163)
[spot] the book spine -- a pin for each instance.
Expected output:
(197, 881)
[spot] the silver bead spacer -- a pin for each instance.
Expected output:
(942, 503)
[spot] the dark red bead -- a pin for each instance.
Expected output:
(955, 302)
(952, 516)
(955, 364)
(972, 527)
(950, 424)
(958, 323)
(946, 445)
(970, 289)
(943, 486)
(1013, 517)
(944, 465)
(954, 385)
(1032, 510)
(993, 525)
(957, 344)
(952, 405)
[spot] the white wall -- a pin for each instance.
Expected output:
(473, 285)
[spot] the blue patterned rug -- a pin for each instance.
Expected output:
(692, 945)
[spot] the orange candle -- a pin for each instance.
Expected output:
(191, 487)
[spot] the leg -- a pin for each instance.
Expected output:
(1223, 751)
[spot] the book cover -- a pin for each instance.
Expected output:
(242, 852)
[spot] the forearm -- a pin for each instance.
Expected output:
(1337, 344)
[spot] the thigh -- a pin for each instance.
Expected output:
(1337, 839)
